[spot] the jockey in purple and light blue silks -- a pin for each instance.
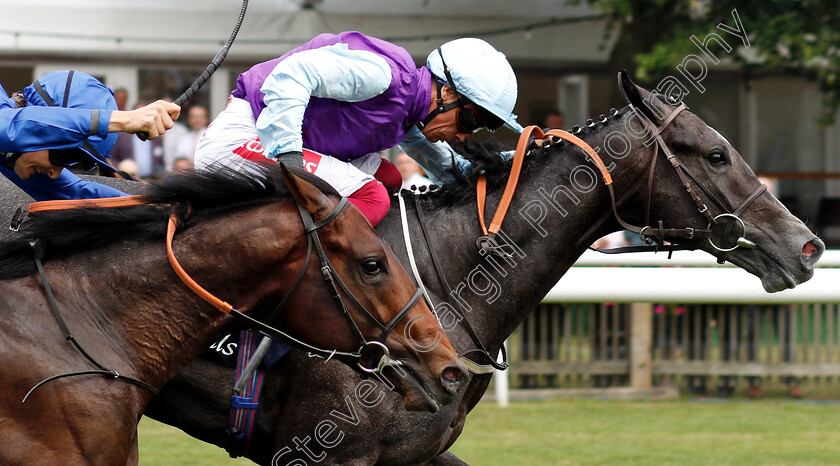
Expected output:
(66, 118)
(338, 99)
(341, 98)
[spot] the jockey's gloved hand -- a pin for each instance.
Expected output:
(290, 158)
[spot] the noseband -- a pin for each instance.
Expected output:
(660, 235)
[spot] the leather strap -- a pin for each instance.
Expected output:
(123, 201)
(38, 254)
(516, 169)
(128, 201)
(510, 188)
(473, 366)
(410, 253)
(184, 276)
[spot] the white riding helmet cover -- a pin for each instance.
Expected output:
(480, 73)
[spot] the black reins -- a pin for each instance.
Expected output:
(657, 236)
(480, 348)
(38, 253)
(330, 276)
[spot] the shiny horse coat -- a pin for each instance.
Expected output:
(242, 239)
(560, 209)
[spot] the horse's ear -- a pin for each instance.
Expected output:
(639, 97)
(307, 194)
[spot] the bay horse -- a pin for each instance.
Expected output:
(241, 237)
(561, 208)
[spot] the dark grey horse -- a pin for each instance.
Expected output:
(560, 208)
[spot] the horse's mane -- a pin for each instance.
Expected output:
(485, 160)
(194, 195)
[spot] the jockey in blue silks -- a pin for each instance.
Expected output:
(66, 118)
(338, 99)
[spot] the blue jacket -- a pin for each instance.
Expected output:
(34, 128)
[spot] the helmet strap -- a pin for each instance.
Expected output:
(447, 73)
(441, 107)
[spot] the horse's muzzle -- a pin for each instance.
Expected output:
(453, 377)
(811, 253)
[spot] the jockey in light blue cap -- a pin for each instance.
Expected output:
(68, 118)
(334, 102)
(348, 95)
(480, 74)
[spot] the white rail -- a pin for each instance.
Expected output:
(689, 277)
(829, 259)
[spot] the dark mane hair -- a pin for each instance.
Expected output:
(485, 159)
(194, 196)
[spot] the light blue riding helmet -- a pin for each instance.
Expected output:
(77, 89)
(480, 73)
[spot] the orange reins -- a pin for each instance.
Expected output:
(130, 201)
(516, 169)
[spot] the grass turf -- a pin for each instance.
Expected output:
(695, 432)
(662, 432)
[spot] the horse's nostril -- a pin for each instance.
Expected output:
(811, 252)
(453, 376)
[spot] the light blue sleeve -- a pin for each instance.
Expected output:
(332, 72)
(435, 157)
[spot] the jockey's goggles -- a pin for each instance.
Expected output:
(70, 157)
(10, 158)
(470, 118)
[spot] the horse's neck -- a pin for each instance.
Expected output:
(146, 311)
(550, 222)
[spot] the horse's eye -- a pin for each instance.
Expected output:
(716, 158)
(372, 266)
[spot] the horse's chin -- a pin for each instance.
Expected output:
(781, 281)
(416, 392)
(773, 274)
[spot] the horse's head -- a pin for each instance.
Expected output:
(383, 305)
(748, 226)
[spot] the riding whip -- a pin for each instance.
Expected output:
(211, 68)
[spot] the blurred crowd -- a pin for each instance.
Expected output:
(174, 151)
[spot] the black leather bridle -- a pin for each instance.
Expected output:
(335, 283)
(659, 234)
(330, 276)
